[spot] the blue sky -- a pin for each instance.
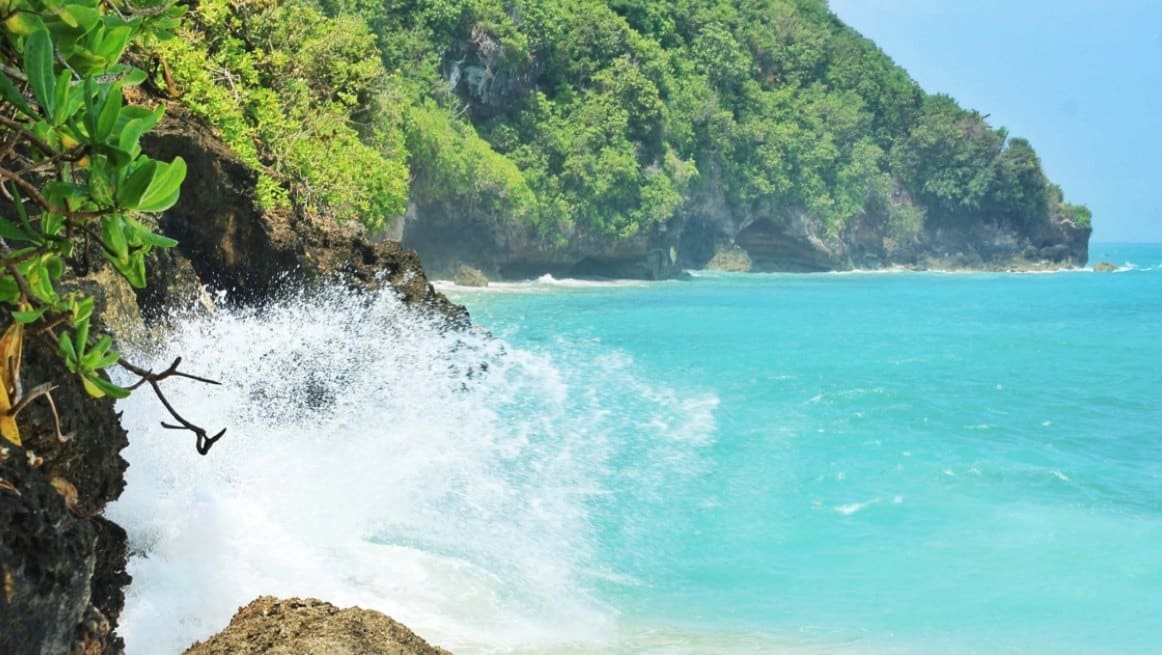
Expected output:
(1081, 79)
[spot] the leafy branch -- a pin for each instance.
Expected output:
(74, 178)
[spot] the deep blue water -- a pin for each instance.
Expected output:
(880, 463)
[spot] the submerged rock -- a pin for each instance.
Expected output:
(466, 276)
(296, 626)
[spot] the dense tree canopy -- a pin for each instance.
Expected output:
(591, 118)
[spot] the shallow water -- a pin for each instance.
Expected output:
(839, 463)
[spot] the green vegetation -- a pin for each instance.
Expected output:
(74, 181)
(591, 119)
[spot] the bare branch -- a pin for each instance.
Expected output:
(204, 440)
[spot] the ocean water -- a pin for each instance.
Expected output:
(834, 463)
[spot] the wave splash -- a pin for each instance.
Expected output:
(449, 480)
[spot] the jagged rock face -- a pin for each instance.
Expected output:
(71, 562)
(236, 247)
(269, 626)
(488, 76)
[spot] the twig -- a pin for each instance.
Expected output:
(204, 440)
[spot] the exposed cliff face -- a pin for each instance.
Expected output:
(233, 245)
(792, 241)
(446, 240)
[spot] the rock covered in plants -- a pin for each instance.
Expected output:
(253, 253)
(295, 626)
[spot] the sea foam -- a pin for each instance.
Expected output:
(447, 479)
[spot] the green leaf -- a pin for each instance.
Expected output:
(107, 120)
(99, 187)
(29, 316)
(61, 98)
(113, 236)
(135, 271)
(54, 265)
(82, 310)
(114, 42)
(52, 224)
(99, 387)
(10, 230)
(24, 23)
(66, 17)
(60, 193)
(38, 66)
(12, 95)
(149, 237)
(81, 338)
(135, 185)
(139, 121)
(9, 291)
(100, 355)
(164, 188)
(82, 17)
(67, 352)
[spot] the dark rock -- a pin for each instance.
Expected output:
(89, 468)
(46, 562)
(1104, 267)
(254, 255)
(466, 276)
(269, 626)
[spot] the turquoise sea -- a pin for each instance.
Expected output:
(728, 463)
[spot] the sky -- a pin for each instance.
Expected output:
(1080, 79)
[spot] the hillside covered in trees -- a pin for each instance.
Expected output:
(613, 137)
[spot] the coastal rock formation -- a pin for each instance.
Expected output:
(234, 245)
(1104, 267)
(466, 276)
(62, 565)
(734, 260)
(793, 241)
(270, 626)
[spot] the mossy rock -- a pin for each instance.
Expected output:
(466, 276)
(732, 260)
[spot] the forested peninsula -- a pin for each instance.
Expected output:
(618, 138)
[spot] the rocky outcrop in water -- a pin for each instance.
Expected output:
(466, 276)
(269, 626)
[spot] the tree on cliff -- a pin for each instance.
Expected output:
(76, 188)
(592, 120)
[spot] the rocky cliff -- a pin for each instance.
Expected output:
(788, 241)
(62, 565)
